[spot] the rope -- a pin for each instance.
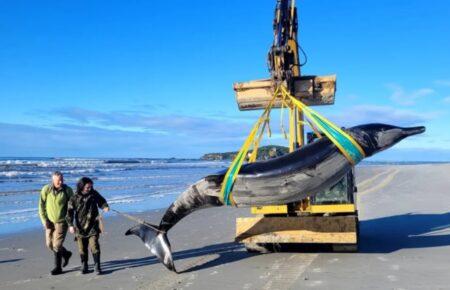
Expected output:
(138, 220)
(316, 132)
(283, 131)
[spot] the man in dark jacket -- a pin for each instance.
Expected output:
(83, 208)
(52, 212)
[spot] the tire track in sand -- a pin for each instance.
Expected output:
(188, 273)
(383, 183)
(287, 271)
(371, 179)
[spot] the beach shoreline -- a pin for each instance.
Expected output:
(132, 185)
(108, 218)
(405, 242)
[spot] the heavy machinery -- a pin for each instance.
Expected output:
(331, 216)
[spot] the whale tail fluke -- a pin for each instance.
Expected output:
(156, 241)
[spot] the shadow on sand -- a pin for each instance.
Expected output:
(10, 261)
(392, 233)
(406, 231)
(381, 235)
(226, 253)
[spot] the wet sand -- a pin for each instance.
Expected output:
(405, 244)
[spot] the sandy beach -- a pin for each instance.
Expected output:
(405, 244)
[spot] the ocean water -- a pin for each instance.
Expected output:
(129, 185)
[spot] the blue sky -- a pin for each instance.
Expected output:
(154, 78)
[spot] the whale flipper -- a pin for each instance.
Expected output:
(156, 242)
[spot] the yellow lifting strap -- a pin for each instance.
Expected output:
(235, 166)
(256, 142)
(344, 142)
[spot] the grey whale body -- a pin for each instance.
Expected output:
(288, 178)
(291, 177)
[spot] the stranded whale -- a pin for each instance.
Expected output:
(288, 178)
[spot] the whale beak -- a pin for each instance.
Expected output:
(413, 131)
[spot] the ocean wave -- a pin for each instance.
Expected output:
(84, 162)
(11, 174)
(142, 177)
(100, 188)
(125, 200)
(18, 211)
(46, 174)
(19, 191)
(128, 184)
(138, 186)
(29, 169)
(121, 161)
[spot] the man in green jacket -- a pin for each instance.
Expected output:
(52, 211)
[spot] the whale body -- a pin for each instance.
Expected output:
(289, 178)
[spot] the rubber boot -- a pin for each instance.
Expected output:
(84, 264)
(97, 266)
(58, 260)
(66, 256)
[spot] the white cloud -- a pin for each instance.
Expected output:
(446, 100)
(93, 133)
(90, 141)
(362, 114)
(407, 98)
(176, 125)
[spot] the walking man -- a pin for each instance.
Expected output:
(52, 211)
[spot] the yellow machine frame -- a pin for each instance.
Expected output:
(305, 222)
